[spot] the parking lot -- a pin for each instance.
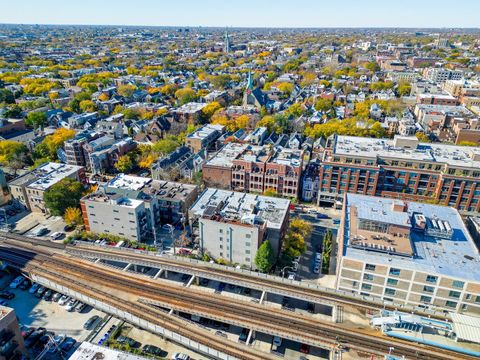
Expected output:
(34, 312)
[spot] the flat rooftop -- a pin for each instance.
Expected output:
(206, 132)
(241, 207)
(46, 175)
(227, 154)
(190, 108)
(453, 155)
(137, 187)
(446, 249)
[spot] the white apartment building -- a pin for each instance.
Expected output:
(439, 75)
(408, 252)
(233, 225)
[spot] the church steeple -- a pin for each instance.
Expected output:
(249, 87)
(227, 42)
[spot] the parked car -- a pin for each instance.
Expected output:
(304, 348)
(277, 341)
(180, 356)
(91, 323)
(16, 282)
(34, 288)
(322, 216)
(8, 295)
(57, 296)
(24, 285)
(127, 340)
(220, 333)
(316, 269)
(71, 305)
(69, 228)
(67, 344)
(63, 300)
(41, 290)
(27, 332)
(336, 221)
(48, 295)
(41, 231)
(243, 335)
(80, 307)
(57, 340)
(155, 351)
(318, 257)
(33, 338)
(57, 235)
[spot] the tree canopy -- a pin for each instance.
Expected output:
(265, 257)
(62, 195)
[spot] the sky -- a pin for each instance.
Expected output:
(245, 13)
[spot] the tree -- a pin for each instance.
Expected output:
(36, 119)
(270, 192)
(14, 112)
(124, 164)
(55, 141)
(285, 87)
(404, 88)
(372, 66)
(73, 216)
(126, 90)
(185, 95)
(295, 110)
(6, 96)
(211, 109)
(301, 227)
(267, 121)
(265, 257)
(13, 155)
(422, 137)
(87, 106)
(165, 146)
(294, 244)
(62, 195)
(323, 104)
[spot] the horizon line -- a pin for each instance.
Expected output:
(251, 27)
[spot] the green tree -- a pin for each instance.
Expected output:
(165, 146)
(124, 164)
(270, 192)
(36, 119)
(404, 88)
(265, 257)
(62, 195)
(185, 95)
(6, 96)
(422, 137)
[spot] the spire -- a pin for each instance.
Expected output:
(227, 42)
(249, 87)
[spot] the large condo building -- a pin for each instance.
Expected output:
(232, 225)
(253, 168)
(401, 168)
(406, 252)
(133, 206)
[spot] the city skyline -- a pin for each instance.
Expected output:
(217, 13)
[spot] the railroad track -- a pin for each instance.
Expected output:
(157, 317)
(279, 321)
(226, 275)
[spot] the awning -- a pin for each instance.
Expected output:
(466, 327)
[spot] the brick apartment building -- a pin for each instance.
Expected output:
(250, 168)
(401, 168)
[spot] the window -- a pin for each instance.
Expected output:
(429, 289)
(221, 246)
(369, 267)
(425, 299)
(247, 259)
(458, 284)
(368, 277)
(248, 236)
(389, 291)
(468, 296)
(247, 251)
(394, 272)
(432, 279)
(248, 244)
(452, 304)
(454, 294)
(220, 231)
(392, 282)
(366, 287)
(115, 211)
(221, 254)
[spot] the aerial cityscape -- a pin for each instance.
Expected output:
(240, 180)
